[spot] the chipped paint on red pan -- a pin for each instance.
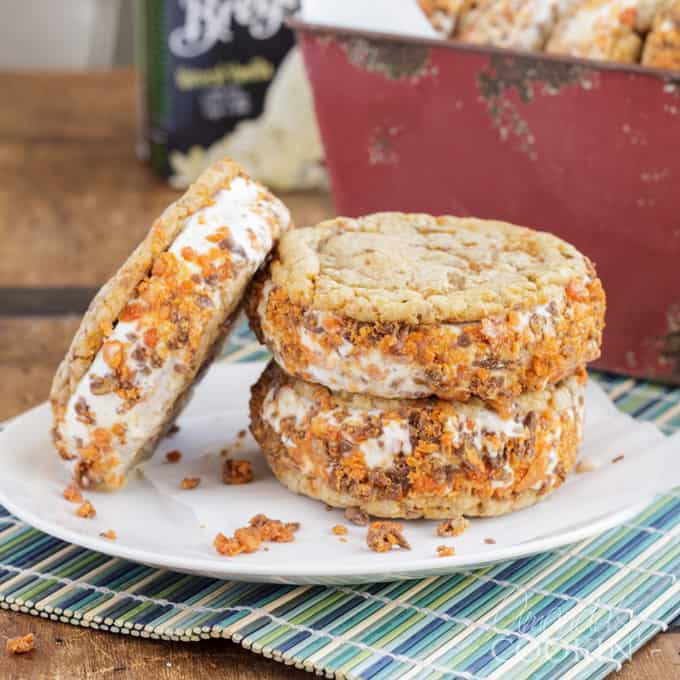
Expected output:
(587, 150)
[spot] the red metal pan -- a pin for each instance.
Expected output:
(587, 150)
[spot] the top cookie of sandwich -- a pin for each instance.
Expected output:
(158, 322)
(407, 306)
(419, 269)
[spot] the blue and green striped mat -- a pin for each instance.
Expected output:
(577, 612)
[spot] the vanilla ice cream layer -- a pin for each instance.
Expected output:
(248, 216)
(382, 374)
(485, 430)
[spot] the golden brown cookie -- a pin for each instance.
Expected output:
(662, 46)
(601, 29)
(521, 24)
(445, 15)
(416, 458)
(407, 306)
(158, 322)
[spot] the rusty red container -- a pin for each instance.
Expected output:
(587, 150)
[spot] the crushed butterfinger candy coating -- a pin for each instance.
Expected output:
(173, 456)
(445, 551)
(383, 536)
(73, 494)
(21, 644)
(237, 472)
(226, 545)
(86, 510)
(190, 482)
(452, 527)
(274, 529)
(339, 530)
(357, 516)
(110, 534)
(249, 539)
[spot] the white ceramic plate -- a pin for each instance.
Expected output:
(159, 524)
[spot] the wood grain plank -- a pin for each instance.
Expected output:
(45, 301)
(70, 652)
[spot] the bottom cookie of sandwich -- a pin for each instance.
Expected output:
(416, 458)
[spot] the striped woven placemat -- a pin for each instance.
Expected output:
(576, 612)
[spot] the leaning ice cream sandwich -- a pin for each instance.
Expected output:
(158, 322)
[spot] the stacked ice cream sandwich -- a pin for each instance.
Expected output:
(423, 367)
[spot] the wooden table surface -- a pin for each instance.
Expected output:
(74, 201)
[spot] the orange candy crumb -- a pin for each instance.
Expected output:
(113, 353)
(131, 312)
(110, 534)
(151, 337)
(101, 438)
(445, 551)
(73, 494)
(628, 16)
(86, 510)
(249, 538)
(21, 644)
(339, 530)
(226, 545)
(188, 253)
(190, 482)
(173, 456)
(237, 472)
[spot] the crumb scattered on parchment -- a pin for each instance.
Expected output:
(357, 516)
(190, 482)
(249, 539)
(383, 536)
(110, 534)
(73, 494)
(490, 541)
(454, 526)
(86, 510)
(241, 434)
(342, 539)
(174, 429)
(339, 529)
(173, 456)
(617, 459)
(445, 551)
(237, 472)
(585, 465)
(274, 529)
(227, 545)
(21, 644)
